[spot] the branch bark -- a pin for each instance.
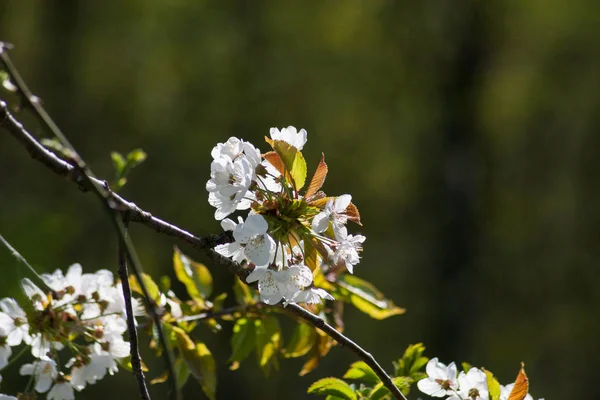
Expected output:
(136, 360)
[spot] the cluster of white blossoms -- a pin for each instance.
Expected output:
(287, 235)
(442, 381)
(84, 314)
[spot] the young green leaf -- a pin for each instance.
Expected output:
(150, 285)
(493, 385)
(412, 362)
(268, 342)
(293, 160)
(243, 341)
(302, 340)
(361, 371)
(182, 372)
(332, 387)
(243, 294)
(379, 391)
(199, 360)
(195, 276)
(364, 296)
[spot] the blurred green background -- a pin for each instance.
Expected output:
(466, 131)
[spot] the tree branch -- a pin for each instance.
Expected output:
(136, 214)
(136, 361)
(101, 191)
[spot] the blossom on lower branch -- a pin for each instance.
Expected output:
(84, 314)
(289, 233)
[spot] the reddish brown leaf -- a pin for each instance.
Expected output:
(321, 202)
(274, 159)
(521, 386)
(352, 213)
(318, 178)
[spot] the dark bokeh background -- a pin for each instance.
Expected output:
(467, 132)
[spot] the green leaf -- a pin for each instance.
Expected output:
(301, 342)
(194, 275)
(364, 296)
(182, 372)
(243, 341)
(293, 160)
(242, 292)
(268, 342)
(412, 362)
(218, 301)
(380, 391)
(150, 285)
(465, 366)
(361, 371)
(165, 283)
(332, 387)
(199, 360)
(119, 162)
(493, 385)
(135, 158)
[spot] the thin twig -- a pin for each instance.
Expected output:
(345, 341)
(65, 169)
(104, 195)
(136, 361)
(23, 261)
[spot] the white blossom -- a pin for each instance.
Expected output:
(333, 212)
(346, 250)
(13, 323)
(252, 242)
(472, 386)
(41, 346)
(311, 296)
(441, 379)
(275, 286)
(61, 391)
(7, 397)
(290, 135)
(5, 353)
(43, 371)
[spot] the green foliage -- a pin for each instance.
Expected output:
(366, 297)
(493, 385)
(268, 343)
(293, 161)
(301, 342)
(332, 387)
(243, 341)
(408, 370)
(124, 165)
(194, 275)
(361, 371)
(199, 360)
(412, 362)
(151, 286)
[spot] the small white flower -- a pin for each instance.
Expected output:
(13, 323)
(95, 369)
(7, 397)
(347, 250)
(505, 392)
(40, 346)
(61, 391)
(43, 371)
(335, 212)
(230, 177)
(274, 286)
(34, 293)
(441, 379)
(252, 242)
(290, 135)
(311, 296)
(225, 205)
(5, 353)
(472, 386)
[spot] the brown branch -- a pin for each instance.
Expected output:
(135, 214)
(103, 194)
(134, 349)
